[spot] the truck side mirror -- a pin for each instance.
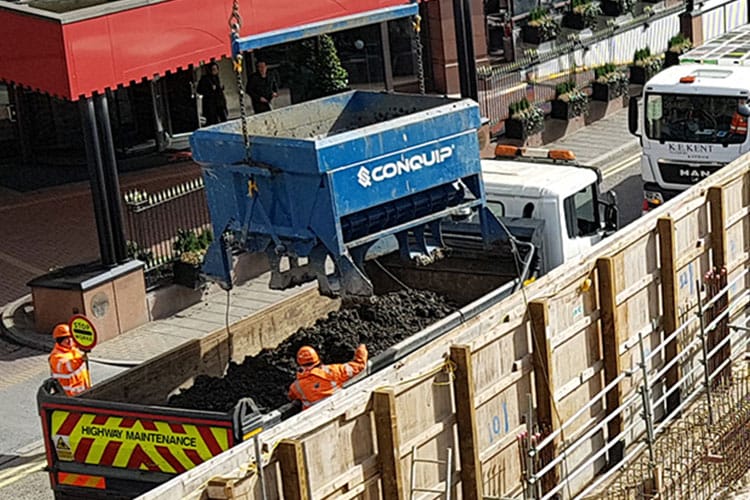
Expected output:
(633, 116)
(609, 213)
(743, 110)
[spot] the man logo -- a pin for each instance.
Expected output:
(366, 176)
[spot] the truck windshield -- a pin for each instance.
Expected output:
(581, 214)
(699, 119)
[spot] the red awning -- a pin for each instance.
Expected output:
(57, 48)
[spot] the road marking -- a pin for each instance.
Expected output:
(13, 474)
(621, 165)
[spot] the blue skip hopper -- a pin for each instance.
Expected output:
(322, 186)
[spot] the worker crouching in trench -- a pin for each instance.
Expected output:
(316, 381)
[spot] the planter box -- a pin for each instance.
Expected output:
(516, 129)
(574, 21)
(533, 35)
(562, 110)
(671, 59)
(604, 92)
(639, 75)
(187, 275)
(612, 8)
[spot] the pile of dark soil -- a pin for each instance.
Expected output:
(379, 323)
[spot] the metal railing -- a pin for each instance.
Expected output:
(713, 371)
(153, 219)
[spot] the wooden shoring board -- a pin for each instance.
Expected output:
(355, 401)
(426, 402)
(574, 337)
(637, 300)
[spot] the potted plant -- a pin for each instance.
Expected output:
(678, 45)
(526, 119)
(645, 65)
(570, 101)
(190, 249)
(609, 84)
(617, 7)
(540, 27)
(582, 15)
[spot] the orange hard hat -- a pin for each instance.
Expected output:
(61, 331)
(307, 356)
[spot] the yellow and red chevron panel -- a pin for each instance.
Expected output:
(131, 441)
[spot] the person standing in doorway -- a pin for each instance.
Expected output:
(214, 101)
(261, 88)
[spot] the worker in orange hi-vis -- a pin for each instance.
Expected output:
(316, 381)
(739, 122)
(68, 363)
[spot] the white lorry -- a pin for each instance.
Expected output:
(549, 185)
(685, 126)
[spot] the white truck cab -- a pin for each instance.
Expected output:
(562, 193)
(686, 123)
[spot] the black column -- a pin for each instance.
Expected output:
(467, 74)
(111, 179)
(96, 178)
(471, 67)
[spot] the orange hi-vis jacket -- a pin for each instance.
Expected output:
(68, 367)
(738, 125)
(321, 381)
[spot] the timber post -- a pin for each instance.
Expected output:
(610, 328)
(386, 431)
(668, 262)
(293, 470)
(471, 466)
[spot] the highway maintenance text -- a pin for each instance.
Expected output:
(143, 436)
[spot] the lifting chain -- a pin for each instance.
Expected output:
(235, 23)
(417, 25)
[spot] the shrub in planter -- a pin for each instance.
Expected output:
(645, 65)
(609, 84)
(617, 7)
(570, 101)
(540, 27)
(526, 119)
(678, 45)
(582, 15)
(190, 249)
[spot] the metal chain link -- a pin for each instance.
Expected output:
(417, 25)
(235, 23)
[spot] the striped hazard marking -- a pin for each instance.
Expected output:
(136, 443)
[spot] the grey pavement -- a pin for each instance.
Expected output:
(604, 141)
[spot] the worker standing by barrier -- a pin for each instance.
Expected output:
(68, 363)
(315, 381)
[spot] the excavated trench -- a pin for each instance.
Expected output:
(380, 323)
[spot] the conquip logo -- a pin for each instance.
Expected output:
(135, 443)
(404, 165)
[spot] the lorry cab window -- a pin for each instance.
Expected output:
(528, 210)
(581, 215)
(690, 118)
(496, 208)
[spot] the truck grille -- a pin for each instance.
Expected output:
(679, 173)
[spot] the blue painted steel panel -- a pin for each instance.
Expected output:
(331, 176)
(413, 169)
